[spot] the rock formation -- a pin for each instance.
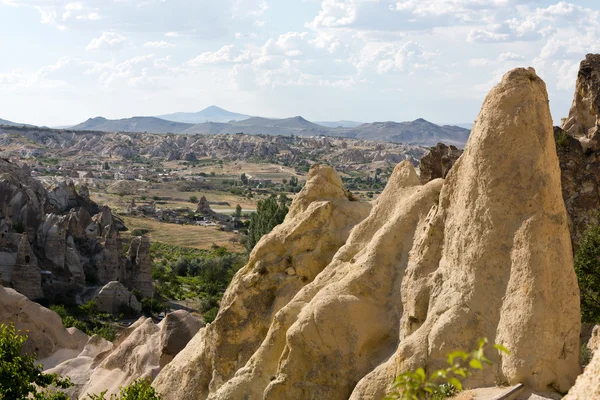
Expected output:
(113, 296)
(588, 383)
(584, 116)
(140, 351)
(432, 269)
(281, 264)
(139, 269)
(46, 335)
(499, 243)
(26, 276)
(204, 207)
(437, 163)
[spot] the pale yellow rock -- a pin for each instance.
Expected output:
(318, 224)
(495, 260)
(587, 386)
(341, 325)
(138, 352)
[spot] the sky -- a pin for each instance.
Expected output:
(63, 61)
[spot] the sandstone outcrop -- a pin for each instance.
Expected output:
(114, 296)
(281, 264)
(433, 268)
(584, 117)
(47, 336)
(140, 351)
(437, 163)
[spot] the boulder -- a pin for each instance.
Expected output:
(113, 296)
(46, 335)
(281, 264)
(177, 329)
(437, 163)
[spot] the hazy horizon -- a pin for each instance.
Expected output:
(357, 60)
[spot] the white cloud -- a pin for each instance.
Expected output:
(159, 44)
(510, 57)
(406, 58)
(107, 41)
(225, 55)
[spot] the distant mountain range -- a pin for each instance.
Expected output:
(418, 132)
(135, 124)
(10, 123)
(209, 114)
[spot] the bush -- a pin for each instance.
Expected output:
(442, 383)
(20, 377)
(140, 389)
(587, 268)
(193, 199)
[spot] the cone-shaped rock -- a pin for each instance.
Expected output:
(504, 269)
(284, 261)
(26, 277)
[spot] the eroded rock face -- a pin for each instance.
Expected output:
(437, 163)
(138, 352)
(432, 269)
(584, 116)
(282, 263)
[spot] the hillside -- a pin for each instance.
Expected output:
(10, 123)
(209, 114)
(135, 124)
(419, 131)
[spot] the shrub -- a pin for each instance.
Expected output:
(269, 213)
(20, 377)
(587, 268)
(140, 389)
(193, 199)
(444, 382)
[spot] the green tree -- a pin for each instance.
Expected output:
(238, 211)
(106, 167)
(293, 181)
(20, 377)
(269, 213)
(587, 268)
(193, 199)
(244, 179)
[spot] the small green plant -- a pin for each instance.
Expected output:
(18, 227)
(587, 268)
(140, 389)
(562, 140)
(586, 355)
(442, 383)
(193, 199)
(20, 377)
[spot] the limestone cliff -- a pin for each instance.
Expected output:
(431, 269)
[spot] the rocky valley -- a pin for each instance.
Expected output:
(388, 257)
